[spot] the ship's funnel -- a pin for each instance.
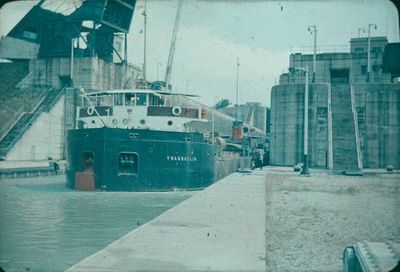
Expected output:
(237, 130)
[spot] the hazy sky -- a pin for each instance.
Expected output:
(213, 34)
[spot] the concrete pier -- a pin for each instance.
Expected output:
(221, 228)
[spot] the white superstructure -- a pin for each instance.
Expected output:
(138, 109)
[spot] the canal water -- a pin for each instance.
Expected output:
(45, 226)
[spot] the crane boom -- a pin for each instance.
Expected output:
(168, 69)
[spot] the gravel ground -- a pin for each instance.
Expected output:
(310, 220)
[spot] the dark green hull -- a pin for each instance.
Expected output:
(143, 160)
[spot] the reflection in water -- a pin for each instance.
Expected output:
(46, 227)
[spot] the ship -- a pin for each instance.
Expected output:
(142, 140)
(145, 138)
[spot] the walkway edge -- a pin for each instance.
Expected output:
(221, 228)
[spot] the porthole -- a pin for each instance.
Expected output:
(115, 121)
(170, 123)
(125, 121)
(142, 121)
(93, 122)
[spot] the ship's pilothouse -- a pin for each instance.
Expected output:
(137, 109)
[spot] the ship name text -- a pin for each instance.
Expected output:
(181, 158)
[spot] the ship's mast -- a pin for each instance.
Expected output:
(144, 42)
(237, 88)
(168, 70)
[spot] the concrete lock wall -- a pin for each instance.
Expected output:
(378, 114)
(378, 108)
(45, 138)
(356, 63)
(287, 121)
(89, 72)
(286, 124)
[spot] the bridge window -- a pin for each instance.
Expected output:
(130, 99)
(99, 100)
(104, 100)
(118, 99)
(141, 99)
(128, 163)
(155, 100)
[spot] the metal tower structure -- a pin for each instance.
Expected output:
(95, 23)
(168, 70)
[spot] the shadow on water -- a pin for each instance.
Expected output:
(45, 226)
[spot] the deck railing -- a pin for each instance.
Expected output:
(14, 120)
(60, 93)
(32, 108)
(22, 131)
(11, 123)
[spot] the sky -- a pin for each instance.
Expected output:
(262, 34)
